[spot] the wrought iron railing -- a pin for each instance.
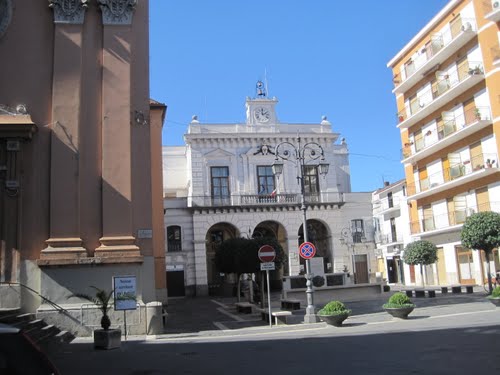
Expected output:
(447, 82)
(457, 170)
(435, 44)
(450, 126)
(449, 219)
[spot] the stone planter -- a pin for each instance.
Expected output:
(107, 339)
(495, 301)
(334, 320)
(399, 312)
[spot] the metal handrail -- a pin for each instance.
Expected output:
(59, 308)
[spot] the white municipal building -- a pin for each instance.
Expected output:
(221, 185)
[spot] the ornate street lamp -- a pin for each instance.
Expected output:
(300, 155)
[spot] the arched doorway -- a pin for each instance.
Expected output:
(277, 231)
(319, 235)
(215, 236)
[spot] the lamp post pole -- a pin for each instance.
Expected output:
(298, 154)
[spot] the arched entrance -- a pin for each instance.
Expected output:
(273, 229)
(215, 236)
(319, 235)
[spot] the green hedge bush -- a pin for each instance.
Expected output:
(496, 292)
(399, 300)
(334, 308)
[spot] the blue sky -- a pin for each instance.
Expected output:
(322, 57)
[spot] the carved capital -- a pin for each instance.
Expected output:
(69, 11)
(117, 12)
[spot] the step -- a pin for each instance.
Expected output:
(16, 318)
(32, 328)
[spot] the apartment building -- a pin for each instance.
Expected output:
(390, 222)
(221, 185)
(446, 83)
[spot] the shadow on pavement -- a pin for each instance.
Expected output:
(409, 352)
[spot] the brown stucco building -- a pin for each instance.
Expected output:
(80, 152)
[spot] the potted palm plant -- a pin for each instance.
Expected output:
(399, 305)
(104, 338)
(334, 313)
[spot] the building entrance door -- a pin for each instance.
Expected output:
(361, 276)
(465, 265)
(175, 283)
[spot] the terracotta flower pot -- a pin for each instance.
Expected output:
(399, 312)
(334, 320)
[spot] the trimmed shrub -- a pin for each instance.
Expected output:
(334, 308)
(496, 292)
(399, 300)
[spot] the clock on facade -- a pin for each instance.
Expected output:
(262, 114)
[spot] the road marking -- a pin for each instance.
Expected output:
(221, 326)
(225, 312)
(218, 303)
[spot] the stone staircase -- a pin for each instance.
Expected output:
(47, 336)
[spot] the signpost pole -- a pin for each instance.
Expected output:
(269, 299)
(125, 323)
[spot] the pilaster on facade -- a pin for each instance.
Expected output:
(65, 242)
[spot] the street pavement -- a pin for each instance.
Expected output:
(449, 334)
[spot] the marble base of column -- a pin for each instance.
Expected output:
(62, 251)
(119, 249)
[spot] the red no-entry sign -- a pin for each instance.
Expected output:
(267, 253)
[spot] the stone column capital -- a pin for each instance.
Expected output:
(117, 12)
(69, 11)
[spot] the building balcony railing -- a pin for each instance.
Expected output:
(265, 199)
(448, 87)
(491, 10)
(495, 55)
(449, 220)
(451, 131)
(455, 175)
(387, 239)
(386, 204)
(437, 50)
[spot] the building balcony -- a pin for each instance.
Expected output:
(452, 131)
(458, 174)
(261, 200)
(388, 239)
(491, 9)
(448, 88)
(495, 55)
(448, 222)
(434, 53)
(386, 205)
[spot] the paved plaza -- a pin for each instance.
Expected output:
(449, 334)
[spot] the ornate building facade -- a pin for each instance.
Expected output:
(220, 185)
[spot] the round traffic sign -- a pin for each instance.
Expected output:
(266, 253)
(307, 250)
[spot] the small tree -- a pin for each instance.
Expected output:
(240, 255)
(420, 252)
(102, 301)
(481, 231)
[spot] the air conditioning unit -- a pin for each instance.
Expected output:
(466, 26)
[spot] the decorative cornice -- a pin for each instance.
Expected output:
(117, 12)
(69, 11)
